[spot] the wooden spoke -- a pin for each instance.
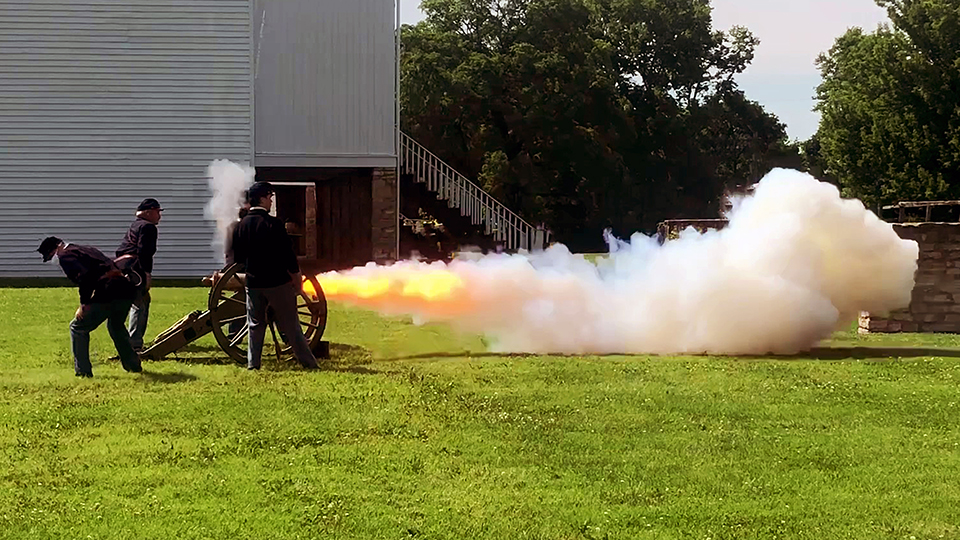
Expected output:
(228, 307)
(232, 299)
(276, 340)
(239, 337)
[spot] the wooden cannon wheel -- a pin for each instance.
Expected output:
(228, 316)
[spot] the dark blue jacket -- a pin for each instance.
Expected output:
(140, 240)
(99, 278)
(261, 244)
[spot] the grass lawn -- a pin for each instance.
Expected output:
(413, 432)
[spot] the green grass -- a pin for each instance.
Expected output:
(414, 432)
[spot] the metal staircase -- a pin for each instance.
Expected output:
(506, 227)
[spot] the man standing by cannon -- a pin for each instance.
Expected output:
(105, 295)
(136, 253)
(273, 277)
(228, 255)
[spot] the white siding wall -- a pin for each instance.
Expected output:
(106, 102)
(325, 83)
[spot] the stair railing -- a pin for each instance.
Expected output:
(506, 227)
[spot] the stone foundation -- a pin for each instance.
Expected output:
(385, 225)
(935, 306)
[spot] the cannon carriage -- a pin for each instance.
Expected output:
(225, 317)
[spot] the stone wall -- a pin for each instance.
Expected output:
(384, 226)
(935, 306)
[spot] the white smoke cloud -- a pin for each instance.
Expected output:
(227, 181)
(794, 263)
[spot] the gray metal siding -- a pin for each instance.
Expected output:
(106, 102)
(325, 83)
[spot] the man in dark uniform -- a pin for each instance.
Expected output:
(236, 326)
(105, 295)
(228, 255)
(136, 253)
(273, 279)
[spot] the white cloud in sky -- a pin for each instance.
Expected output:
(783, 76)
(410, 12)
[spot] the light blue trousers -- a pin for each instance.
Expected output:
(283, 300)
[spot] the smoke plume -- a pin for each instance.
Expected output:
(795, 263)
(227, 181)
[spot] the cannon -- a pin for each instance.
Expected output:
(226, 316)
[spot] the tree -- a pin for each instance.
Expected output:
(585, 114)
(813, 161)
(746, 140)
(890, 122)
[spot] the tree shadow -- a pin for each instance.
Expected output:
(200, 348)
(873, 352)
(344, 358)
(348, 358)
(168, 378)
(195, 353)
(293, 365)
(815, 353)
(354, 353)
(475, 354)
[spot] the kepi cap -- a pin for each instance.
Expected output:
(259, 190)
(48, 247)
(149, 204)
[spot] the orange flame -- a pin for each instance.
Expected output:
(433, 285)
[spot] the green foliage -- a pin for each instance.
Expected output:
(814, 161)
(414, 432)
(890, 124)
(587, 114)
(744, 140)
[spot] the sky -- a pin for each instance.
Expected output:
(783, 76)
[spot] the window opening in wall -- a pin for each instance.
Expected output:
(296, 206)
